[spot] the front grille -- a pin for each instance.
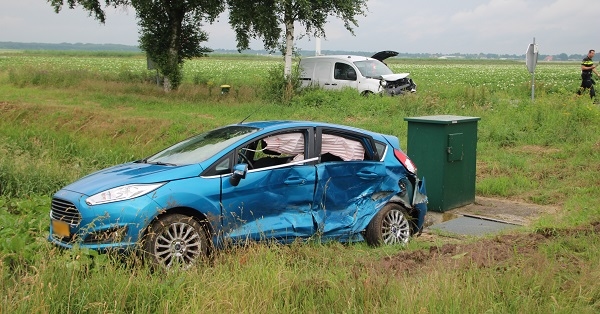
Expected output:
(65, 211)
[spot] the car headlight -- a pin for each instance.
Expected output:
(383, 83)
(122, 193)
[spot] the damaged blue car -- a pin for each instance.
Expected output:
(264, 180)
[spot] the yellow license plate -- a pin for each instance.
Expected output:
(60, 228)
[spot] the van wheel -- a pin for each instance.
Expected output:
(390, 226)
(367, 93)
(175, 241)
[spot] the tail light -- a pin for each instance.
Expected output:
(406, 162)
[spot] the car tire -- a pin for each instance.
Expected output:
(175, 240)
(391, 225)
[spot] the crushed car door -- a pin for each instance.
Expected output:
(350, 176)
(274, 200)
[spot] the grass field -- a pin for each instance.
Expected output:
(64, 115)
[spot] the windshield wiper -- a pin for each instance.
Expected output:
(160, 163)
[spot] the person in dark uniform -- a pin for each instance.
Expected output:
(587, 67)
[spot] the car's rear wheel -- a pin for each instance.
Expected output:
(390, 226)
(175, 241)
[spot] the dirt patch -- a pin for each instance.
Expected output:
(485, 253)
(456, 252)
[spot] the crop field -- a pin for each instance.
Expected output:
(66, 114)
(496, 75)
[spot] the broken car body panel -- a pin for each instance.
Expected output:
(303, 179)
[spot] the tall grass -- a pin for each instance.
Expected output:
(334, 278)
(63, 117)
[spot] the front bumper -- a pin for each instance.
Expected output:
(117, 225)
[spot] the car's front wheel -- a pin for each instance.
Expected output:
(391, 225)
(175, 241)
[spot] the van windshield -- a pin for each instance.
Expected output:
(372, 68)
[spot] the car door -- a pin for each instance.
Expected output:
(349, 187)
(272, 202)
(344, 75)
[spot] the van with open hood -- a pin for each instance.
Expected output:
(369, 75)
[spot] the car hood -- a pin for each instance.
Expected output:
(394, 77)
(382, 55)
(129, 173)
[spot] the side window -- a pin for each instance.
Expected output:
(222, 166)
(343, 71)
(380, 147)
(340, 148)
(277, 149)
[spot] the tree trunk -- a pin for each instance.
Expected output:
(289, 47)
(168, 82)
(167, 87)
(172, 79)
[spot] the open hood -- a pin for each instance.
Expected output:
(395, 77)
(382, 55)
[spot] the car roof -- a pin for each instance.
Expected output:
(350, 58)
(273, 125)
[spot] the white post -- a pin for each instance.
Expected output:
(531, 57)
(318, 46)
(533, 76)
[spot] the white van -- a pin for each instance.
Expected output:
(367, 75)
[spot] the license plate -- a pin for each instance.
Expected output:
(60, 228)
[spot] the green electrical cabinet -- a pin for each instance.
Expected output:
(444, 148)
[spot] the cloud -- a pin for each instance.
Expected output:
(434, 26)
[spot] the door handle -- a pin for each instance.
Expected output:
(367, 175)
(294, 181)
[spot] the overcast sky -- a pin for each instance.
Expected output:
(406, 26)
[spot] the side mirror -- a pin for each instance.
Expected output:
(239, 173)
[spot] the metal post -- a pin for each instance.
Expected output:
(531, 60)
(533, 77)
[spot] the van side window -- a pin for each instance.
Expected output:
(343, 71)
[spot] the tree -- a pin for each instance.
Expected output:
(265, 18)
(170, 31)
(562, 57)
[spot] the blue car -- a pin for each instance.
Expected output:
(265, 180)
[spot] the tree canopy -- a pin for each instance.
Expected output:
(170, 31)
(273, 21)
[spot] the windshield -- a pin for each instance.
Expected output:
(202, 146)
(372, 68)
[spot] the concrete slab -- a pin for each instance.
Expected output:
(485, 216)
(473, 226)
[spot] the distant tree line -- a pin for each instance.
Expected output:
(127, 48)
(68, 47)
